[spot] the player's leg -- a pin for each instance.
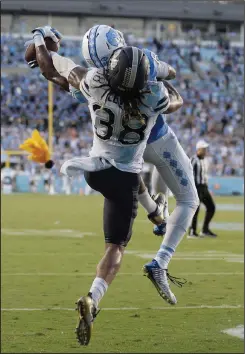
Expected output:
(154, 205)
(176, 170)
(210, 210)
(120, 190)
(158, 185)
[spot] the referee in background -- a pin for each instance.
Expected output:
(201, 181)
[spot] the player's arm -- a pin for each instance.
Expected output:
(165, 71)
(43, 55)
(57, 69)
(47, 68)
(176, 100)
(66, 68)
(159, 69)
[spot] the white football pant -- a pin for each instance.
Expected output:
(176, 172)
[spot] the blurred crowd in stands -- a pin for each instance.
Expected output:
(210, 80)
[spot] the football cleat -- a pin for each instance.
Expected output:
(192, 234)
(160, 230)
(157, 217)
(87, 313)
(159, 278)
(208, 233)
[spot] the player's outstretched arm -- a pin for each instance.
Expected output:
(45, 63)
(47, 68)
(171, 73)
(165, 71)
(176, 100)
(159, 69)
(64, 66)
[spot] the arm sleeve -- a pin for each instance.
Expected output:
(63, 65)
(158, 69)
(162, 70)
(163, 99)
(152, 64)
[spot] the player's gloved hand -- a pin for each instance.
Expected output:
(48, 32)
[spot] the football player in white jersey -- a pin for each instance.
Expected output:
(155, 205)
(163, 150)
(124, 107)
(98, 44)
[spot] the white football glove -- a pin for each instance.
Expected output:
(48, 32)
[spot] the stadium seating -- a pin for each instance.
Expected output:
(212, 109)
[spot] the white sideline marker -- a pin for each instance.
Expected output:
(131, 308)
(235, 332)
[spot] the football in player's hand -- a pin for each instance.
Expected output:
(30, 53)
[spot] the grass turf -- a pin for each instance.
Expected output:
(48, 261)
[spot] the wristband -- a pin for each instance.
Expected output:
(33, 64)
(38, 39)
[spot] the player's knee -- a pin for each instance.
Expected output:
(212, 208)
(114, 254)
(114, 251)
(193, 201)
(196, 202)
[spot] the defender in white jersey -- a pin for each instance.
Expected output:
(110, 173)
(118, 139)
(163, 150)
(180, 179)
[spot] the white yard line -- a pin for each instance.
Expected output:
(224, 226)
(228, 207)
(47, 233)
(131, 308)
(194, 256)
(44, 254)
(129, 274)
(235, 332)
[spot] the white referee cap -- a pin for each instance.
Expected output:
(201, 144)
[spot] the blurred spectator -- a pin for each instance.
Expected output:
(212, 108)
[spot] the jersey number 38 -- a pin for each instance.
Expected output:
(107, 127)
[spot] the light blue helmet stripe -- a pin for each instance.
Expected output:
(92, 47)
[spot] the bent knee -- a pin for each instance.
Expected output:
(114, 248)
(212, 208)
(191, 200)
(196, 202)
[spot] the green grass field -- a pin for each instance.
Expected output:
(50, 248)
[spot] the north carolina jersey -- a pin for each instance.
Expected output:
(121, 142)
(161, 127)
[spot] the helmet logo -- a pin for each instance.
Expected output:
(113, 37)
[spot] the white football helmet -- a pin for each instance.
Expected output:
(99, 42)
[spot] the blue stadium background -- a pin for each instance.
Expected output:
(204, 44)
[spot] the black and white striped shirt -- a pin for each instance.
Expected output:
(199, 170)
